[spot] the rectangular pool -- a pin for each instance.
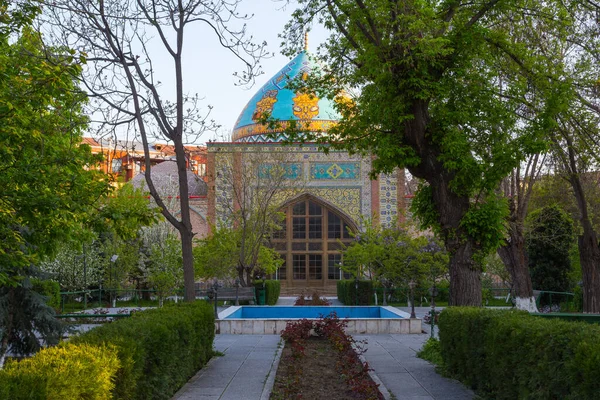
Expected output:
(273, 319)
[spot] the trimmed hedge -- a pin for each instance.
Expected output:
(48, 288)
(159, 350)
(272, 290)
(513, 355)
(346, 292)
(67, 371)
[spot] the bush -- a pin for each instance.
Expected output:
(272, 289)
(346, 292)
(48, 288)
(513, 355)
(159, 349)
(68, 371)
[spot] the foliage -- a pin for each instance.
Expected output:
(70, 262)
(393, 256)
(68, 371)
(459, 93)
(45, 188)
(513, 355)
(272, 289)
(349, 365)
(165, 273)
(49, 289)
(347, 293)
(550, 239)
(124, 213)
(218, 255)
(315, 300)
(26, 319)
(431, 351)
(158, 350)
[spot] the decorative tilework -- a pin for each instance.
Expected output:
(353, 199)
(388, 199)
(346, 199)
(292, 170)
(322, 171)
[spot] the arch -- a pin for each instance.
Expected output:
(309, 196)
(311, 240)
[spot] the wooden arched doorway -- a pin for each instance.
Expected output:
(310, 242)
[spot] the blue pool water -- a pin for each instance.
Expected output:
(288, 312)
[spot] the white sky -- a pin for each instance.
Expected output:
(209, 68)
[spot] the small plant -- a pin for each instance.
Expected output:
(315, 300)
(431, 352)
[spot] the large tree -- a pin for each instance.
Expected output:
(124, 41)
(439, 89)
(46, 190)
(517, 188)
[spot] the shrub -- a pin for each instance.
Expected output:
(50, 289)
(272, 289)
(68, 371)
(513, 355)
(159, 349)
(346, 292)
(431, 352)
(315, 300)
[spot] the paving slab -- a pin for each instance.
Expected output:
(406, 377)
(240, 374)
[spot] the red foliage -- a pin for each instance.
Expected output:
(348, 363)
(315, 300)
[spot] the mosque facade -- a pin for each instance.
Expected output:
(325, 197)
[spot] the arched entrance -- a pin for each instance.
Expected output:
(310, 242)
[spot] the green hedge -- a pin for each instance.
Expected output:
(346, 292)
(67, 371)
(272, 289)
(513, 355)
(159, 350)
(48, 288)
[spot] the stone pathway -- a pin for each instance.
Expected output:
(248, 366)
(394, 360)
(240, 374)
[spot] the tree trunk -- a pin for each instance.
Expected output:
(465, 277)
(513, 256)
(188, 265)
(465, 274)
(589, 256)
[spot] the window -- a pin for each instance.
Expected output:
(315, 266)
(299, 261)
(311, 238)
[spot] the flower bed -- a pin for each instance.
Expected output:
(312, 349)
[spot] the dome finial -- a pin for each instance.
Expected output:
(306, 41)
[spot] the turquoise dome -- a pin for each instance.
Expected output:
(284, 105)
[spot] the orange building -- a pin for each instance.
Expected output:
(124, 159)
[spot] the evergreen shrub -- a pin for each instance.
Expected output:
(346, 292)
(273, 289)
(67, 371)
(159, 349)
(513, 355)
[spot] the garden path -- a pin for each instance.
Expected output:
(246, 370)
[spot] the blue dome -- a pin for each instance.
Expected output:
(284, 105)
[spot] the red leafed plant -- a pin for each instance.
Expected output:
(348, 365)
(315, 300)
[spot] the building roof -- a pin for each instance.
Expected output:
(165, 178)
(275, 99)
